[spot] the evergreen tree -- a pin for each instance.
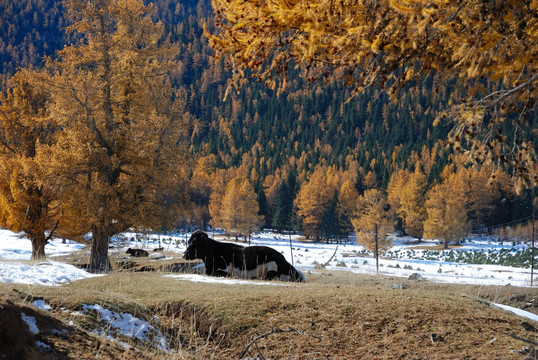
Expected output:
(330, 225)
(282, 212)
(262, 204)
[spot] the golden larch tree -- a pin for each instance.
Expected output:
(397, 182)
(447, 207)
(312, 201)
(122, 125)
(201, 190)
(28, 199)
(220, 180)
(411, 208)
(240, 208)
(387, 44)
(373, 213)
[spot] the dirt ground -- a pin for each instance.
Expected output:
(335, 315)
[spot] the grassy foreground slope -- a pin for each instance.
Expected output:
(334, 315)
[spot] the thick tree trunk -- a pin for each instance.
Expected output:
(99, 262)
(38, 247)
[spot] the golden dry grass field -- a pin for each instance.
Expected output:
(334, 315)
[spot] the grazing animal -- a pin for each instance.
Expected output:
(252, 262)
(137, 252)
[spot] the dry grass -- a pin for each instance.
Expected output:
(337, 315)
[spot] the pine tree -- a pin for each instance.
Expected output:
(121, 141)
(282, 212)
(262, 203)
(482, 195)
(346, 206)
(330, 226)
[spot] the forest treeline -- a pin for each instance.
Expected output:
(309, 157)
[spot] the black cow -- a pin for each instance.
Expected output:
(137, 252)
(252, 262)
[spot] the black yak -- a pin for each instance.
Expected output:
(137, 252)
(252, 262)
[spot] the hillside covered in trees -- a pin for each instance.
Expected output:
(314, 157)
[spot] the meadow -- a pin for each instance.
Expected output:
(161, 307)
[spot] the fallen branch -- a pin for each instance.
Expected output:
(274, 331)
(523, 339)
(327, 263)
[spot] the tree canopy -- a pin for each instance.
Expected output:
(28, 199)
(488, 46)
(120, 148)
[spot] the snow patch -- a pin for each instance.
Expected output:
(127, 325)
(31, 322)
(518, 312)
(221, 280)
(49, 273)
(41, 304)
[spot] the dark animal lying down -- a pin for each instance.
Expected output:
(252, 262)
(137, 252)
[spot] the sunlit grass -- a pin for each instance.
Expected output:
(335, 312)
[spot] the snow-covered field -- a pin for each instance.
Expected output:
(404, 258)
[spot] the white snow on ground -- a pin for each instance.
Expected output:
(517, 311)
(49, 273)
(41, 304)
(352, 257)
(222, 280)
(15, 247)
(15, 250)
(31, 322)
(408, 258)
(113, 323)
(127, 325)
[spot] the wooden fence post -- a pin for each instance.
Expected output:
(376, 252)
